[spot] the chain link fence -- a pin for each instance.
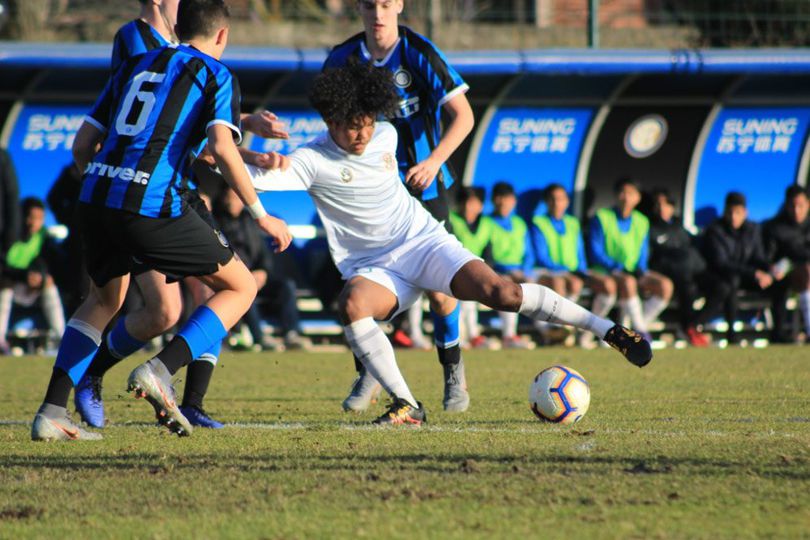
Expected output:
(457, 24)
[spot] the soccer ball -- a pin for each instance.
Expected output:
(559, 394)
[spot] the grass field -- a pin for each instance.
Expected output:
(700, 444)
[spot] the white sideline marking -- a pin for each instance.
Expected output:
(298, 426)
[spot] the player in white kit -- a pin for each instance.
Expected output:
(387, 246)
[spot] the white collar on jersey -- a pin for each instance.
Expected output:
(379, 63)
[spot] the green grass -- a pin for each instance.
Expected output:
(701, 444)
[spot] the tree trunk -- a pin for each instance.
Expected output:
(29, 18)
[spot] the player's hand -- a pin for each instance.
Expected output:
(265, 124)
(421, 175)
(764, 279)
(272, 160)
(277, 230)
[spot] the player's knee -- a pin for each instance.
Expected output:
(165, 317)
(351, 307)
(558, 284)
(628, 286)
(442, 304)
(574, 285)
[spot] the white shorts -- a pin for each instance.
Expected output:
(426, 263)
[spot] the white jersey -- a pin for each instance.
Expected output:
(365, 208)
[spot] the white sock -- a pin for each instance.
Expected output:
(52, 309)
(631, 307)
(415, 315)
(541, 303)
(653, 306)
(509, 322)
(371, 346)
(602, 304)
(804, 307)
(6, 299)
(469, 319)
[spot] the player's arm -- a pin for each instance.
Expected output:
(462, 121)
(86, 144)
(298, 177)
(225, 153)
(264, 124)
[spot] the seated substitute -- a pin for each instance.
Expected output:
(673, 254)
(387, 246)
(787, 244)
(559, 250)
(510, 251)
(473, 233)
(247, 240)
(736, 261)
(618, 241)
(27, 276)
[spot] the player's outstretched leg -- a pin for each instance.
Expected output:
(79, 344)
(447, 337)
(476, 281)
(235, 291)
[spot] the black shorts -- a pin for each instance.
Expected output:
(194, 202)
(439, 206)
(115, 240)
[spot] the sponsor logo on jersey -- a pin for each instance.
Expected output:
(126, 174)
(402, 78)
(346, 175)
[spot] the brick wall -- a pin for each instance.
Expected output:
(612, 13)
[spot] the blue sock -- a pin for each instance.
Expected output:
(445, 328)
(79, 344)
(120, 342)
(211, 355)
(202, 331)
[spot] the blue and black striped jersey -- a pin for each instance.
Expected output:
(155, 111)
(134, 38)
(425, 81)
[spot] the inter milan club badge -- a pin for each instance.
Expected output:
(390, 162)
(346, 175)
(402, 79)
(222, 238)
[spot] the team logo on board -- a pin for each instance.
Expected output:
(389, 162)
(645, 136)
(402, 78)
(346, 175)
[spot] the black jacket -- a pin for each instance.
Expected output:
(734, 253)
(672, 250)
(786, 239)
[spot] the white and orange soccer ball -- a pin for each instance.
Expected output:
(560, 395)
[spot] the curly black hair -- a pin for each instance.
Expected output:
(344, 95)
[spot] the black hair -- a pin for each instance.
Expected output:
(794, 191)
(30, 203)
(468, 192)
(200, 18)
(662, 192)
(621, 182)
(346, 94)
(551, 188)
(502, 189)
(735, 198)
